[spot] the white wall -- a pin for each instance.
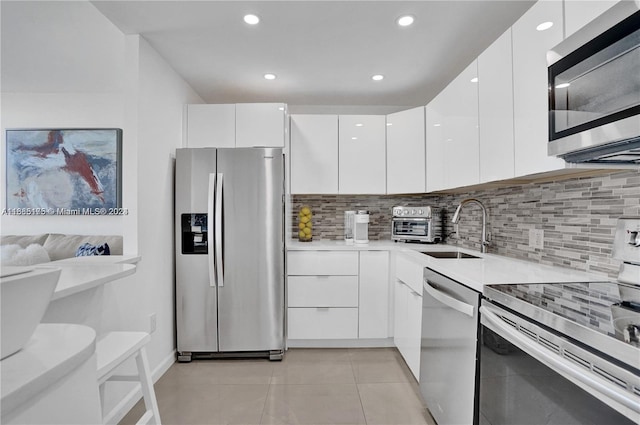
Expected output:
(59, 110)
(62, 65)
(145, 99)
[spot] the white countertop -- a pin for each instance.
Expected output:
(99, 259)
(489, 269)
(53, 351)
(78, 278)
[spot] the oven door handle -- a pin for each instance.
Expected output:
(597, 386)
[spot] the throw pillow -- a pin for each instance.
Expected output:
(15, 255)
(86, 249)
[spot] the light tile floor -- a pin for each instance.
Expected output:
(310, 386)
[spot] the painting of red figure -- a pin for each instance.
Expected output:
(62, 170)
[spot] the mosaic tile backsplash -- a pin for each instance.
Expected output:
(578, 217)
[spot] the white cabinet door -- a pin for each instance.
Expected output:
(578, 13)
(362, 152)
(322, 291)
(322, 323)
(452, 140)
(401, 296)
(322, 263)
(406, 152)
(495, 121)
(414, 332)
(314, 154)
(461, 128)
(211, 126)
(530, 87)
(436, 167)
(373, 309)
(260, 124)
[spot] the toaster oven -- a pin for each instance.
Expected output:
(415, 224)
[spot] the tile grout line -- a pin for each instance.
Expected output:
(355, 380)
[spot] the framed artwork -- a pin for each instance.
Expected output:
(62, 171)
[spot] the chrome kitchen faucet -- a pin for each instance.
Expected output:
(456, 219)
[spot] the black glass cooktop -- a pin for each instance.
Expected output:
(609, 308)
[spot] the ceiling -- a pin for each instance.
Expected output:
(322, 52)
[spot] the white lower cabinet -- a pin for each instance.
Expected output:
(337, 295)
(323, 323)
(373, 305)
(408, 311)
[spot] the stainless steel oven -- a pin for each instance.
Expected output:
(564, 353)
(594, 90)
(415, 224)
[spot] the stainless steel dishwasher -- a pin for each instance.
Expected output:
(449, 347)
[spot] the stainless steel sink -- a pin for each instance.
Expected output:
(448, 254)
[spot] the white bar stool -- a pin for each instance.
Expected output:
(114, 349)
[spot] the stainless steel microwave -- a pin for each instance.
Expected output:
(594, 90)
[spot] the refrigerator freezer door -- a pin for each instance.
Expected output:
(196, 315)
(251, 302)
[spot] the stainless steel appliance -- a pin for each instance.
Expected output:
(361, 227)
(229, 252)
(448, 360)
(415, 224)
(594, 90)
(349, 226)
(564, 353)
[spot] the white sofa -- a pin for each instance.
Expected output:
(60, 246)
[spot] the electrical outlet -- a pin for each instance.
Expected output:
(152, 323)
(536, 238)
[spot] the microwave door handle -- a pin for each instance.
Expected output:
(211, 229)
(219, 231)
(447, 300)
(555, 362)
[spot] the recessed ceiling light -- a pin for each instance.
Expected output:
(389, 123)
(281, 108)
(562, 85)
(544, 26)
(377, 77)
(251, 19)
(359, 125)
(269, 76)
(436, 125)
(354, 138)
(474, 80)
(405, 21)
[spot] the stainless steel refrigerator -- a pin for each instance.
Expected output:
(229, 206)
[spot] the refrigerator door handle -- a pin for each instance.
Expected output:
(219, 232)
(210, 199)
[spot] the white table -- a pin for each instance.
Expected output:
(52, 379)
(78, 296)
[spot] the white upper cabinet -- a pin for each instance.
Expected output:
(495, 91)
(530, 87)
(406, 152)
(260, 124)
(578, 13)
(211, 126)
(314, 154)
(362, 151)
(452, 134)
(435, 145)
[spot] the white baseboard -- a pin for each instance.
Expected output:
(340, 343)
(135, 394)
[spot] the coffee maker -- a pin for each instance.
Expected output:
(361, 228)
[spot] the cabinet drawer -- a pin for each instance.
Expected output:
(323, 291)
(305, 263)
(409, 272)
(322, 323)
